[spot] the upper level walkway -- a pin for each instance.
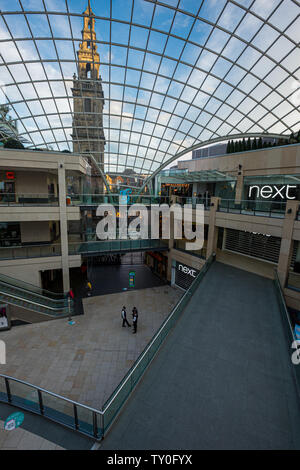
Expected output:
(90, 248)
(222, 380)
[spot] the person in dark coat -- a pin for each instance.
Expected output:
(134, 322)
(124, 317)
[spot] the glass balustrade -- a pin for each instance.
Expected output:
(28, 199)
(50, 405)
(257, 208)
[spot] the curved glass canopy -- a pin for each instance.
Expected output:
(174, 74)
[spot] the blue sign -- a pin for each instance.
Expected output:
(132, 279)
(124, 199)
(14, 421)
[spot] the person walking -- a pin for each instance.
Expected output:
(89, 288)
(71, 294)
(134, 322)
(134, 319)
(124, 316)
(134, 311)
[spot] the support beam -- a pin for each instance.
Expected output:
(239, 187)
(63, 227)
(212, 229)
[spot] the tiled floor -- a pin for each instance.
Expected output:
(85, 362)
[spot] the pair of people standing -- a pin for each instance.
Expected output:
(134, 318)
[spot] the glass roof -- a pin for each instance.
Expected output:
(175, 73)
(183, 176)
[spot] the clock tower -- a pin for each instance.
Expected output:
(88, 99)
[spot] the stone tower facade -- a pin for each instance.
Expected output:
(88, 98)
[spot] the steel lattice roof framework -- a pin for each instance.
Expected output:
(176, 74)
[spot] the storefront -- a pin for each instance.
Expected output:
(7, 186)
(275, 189)
(10, 234)
(158, 263)
(177, 189)
(183, 275)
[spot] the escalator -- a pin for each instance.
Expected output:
(36, 299)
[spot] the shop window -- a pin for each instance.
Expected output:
(7, 191)
(10, 234)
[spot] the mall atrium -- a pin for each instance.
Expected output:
(108, 110)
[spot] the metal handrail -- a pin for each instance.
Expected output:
(33, 294)
(32, 302)
(253, 201)
(31, 287)
(76, 424)
(26, 248)
(290, 332)
(231, 206)
(281, 296)
(36, 387)
(13, 199)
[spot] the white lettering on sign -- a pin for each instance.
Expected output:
(186, 270)
(267, 191)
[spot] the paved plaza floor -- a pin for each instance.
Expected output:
(86, 361)
(22, 439)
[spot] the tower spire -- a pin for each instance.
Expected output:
(88, 57)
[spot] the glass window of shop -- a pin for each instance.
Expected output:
(10, 234)
(158, 263)
(177, 189)
(276, 197)
(7, 186)
(225, 190)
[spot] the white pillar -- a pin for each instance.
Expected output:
(63, 227)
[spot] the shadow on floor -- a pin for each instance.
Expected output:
(49, 430)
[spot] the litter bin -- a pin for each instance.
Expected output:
(68, 201)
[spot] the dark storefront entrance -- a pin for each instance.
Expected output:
(158, 263)
(184, 275)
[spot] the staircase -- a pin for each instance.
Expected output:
(25, 295)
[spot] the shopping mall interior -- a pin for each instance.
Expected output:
(149, 225)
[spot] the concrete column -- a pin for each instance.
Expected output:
(171, 239)
(212, 229)
(63, 226)
(239, 188)
(287, 241)
(171, 246)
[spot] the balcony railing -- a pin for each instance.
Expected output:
(116, 246)
(69, 413)
(257, 208)
(27, 199)
(116, 199)
(80, 248)
(288, 329)
(30, 251)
